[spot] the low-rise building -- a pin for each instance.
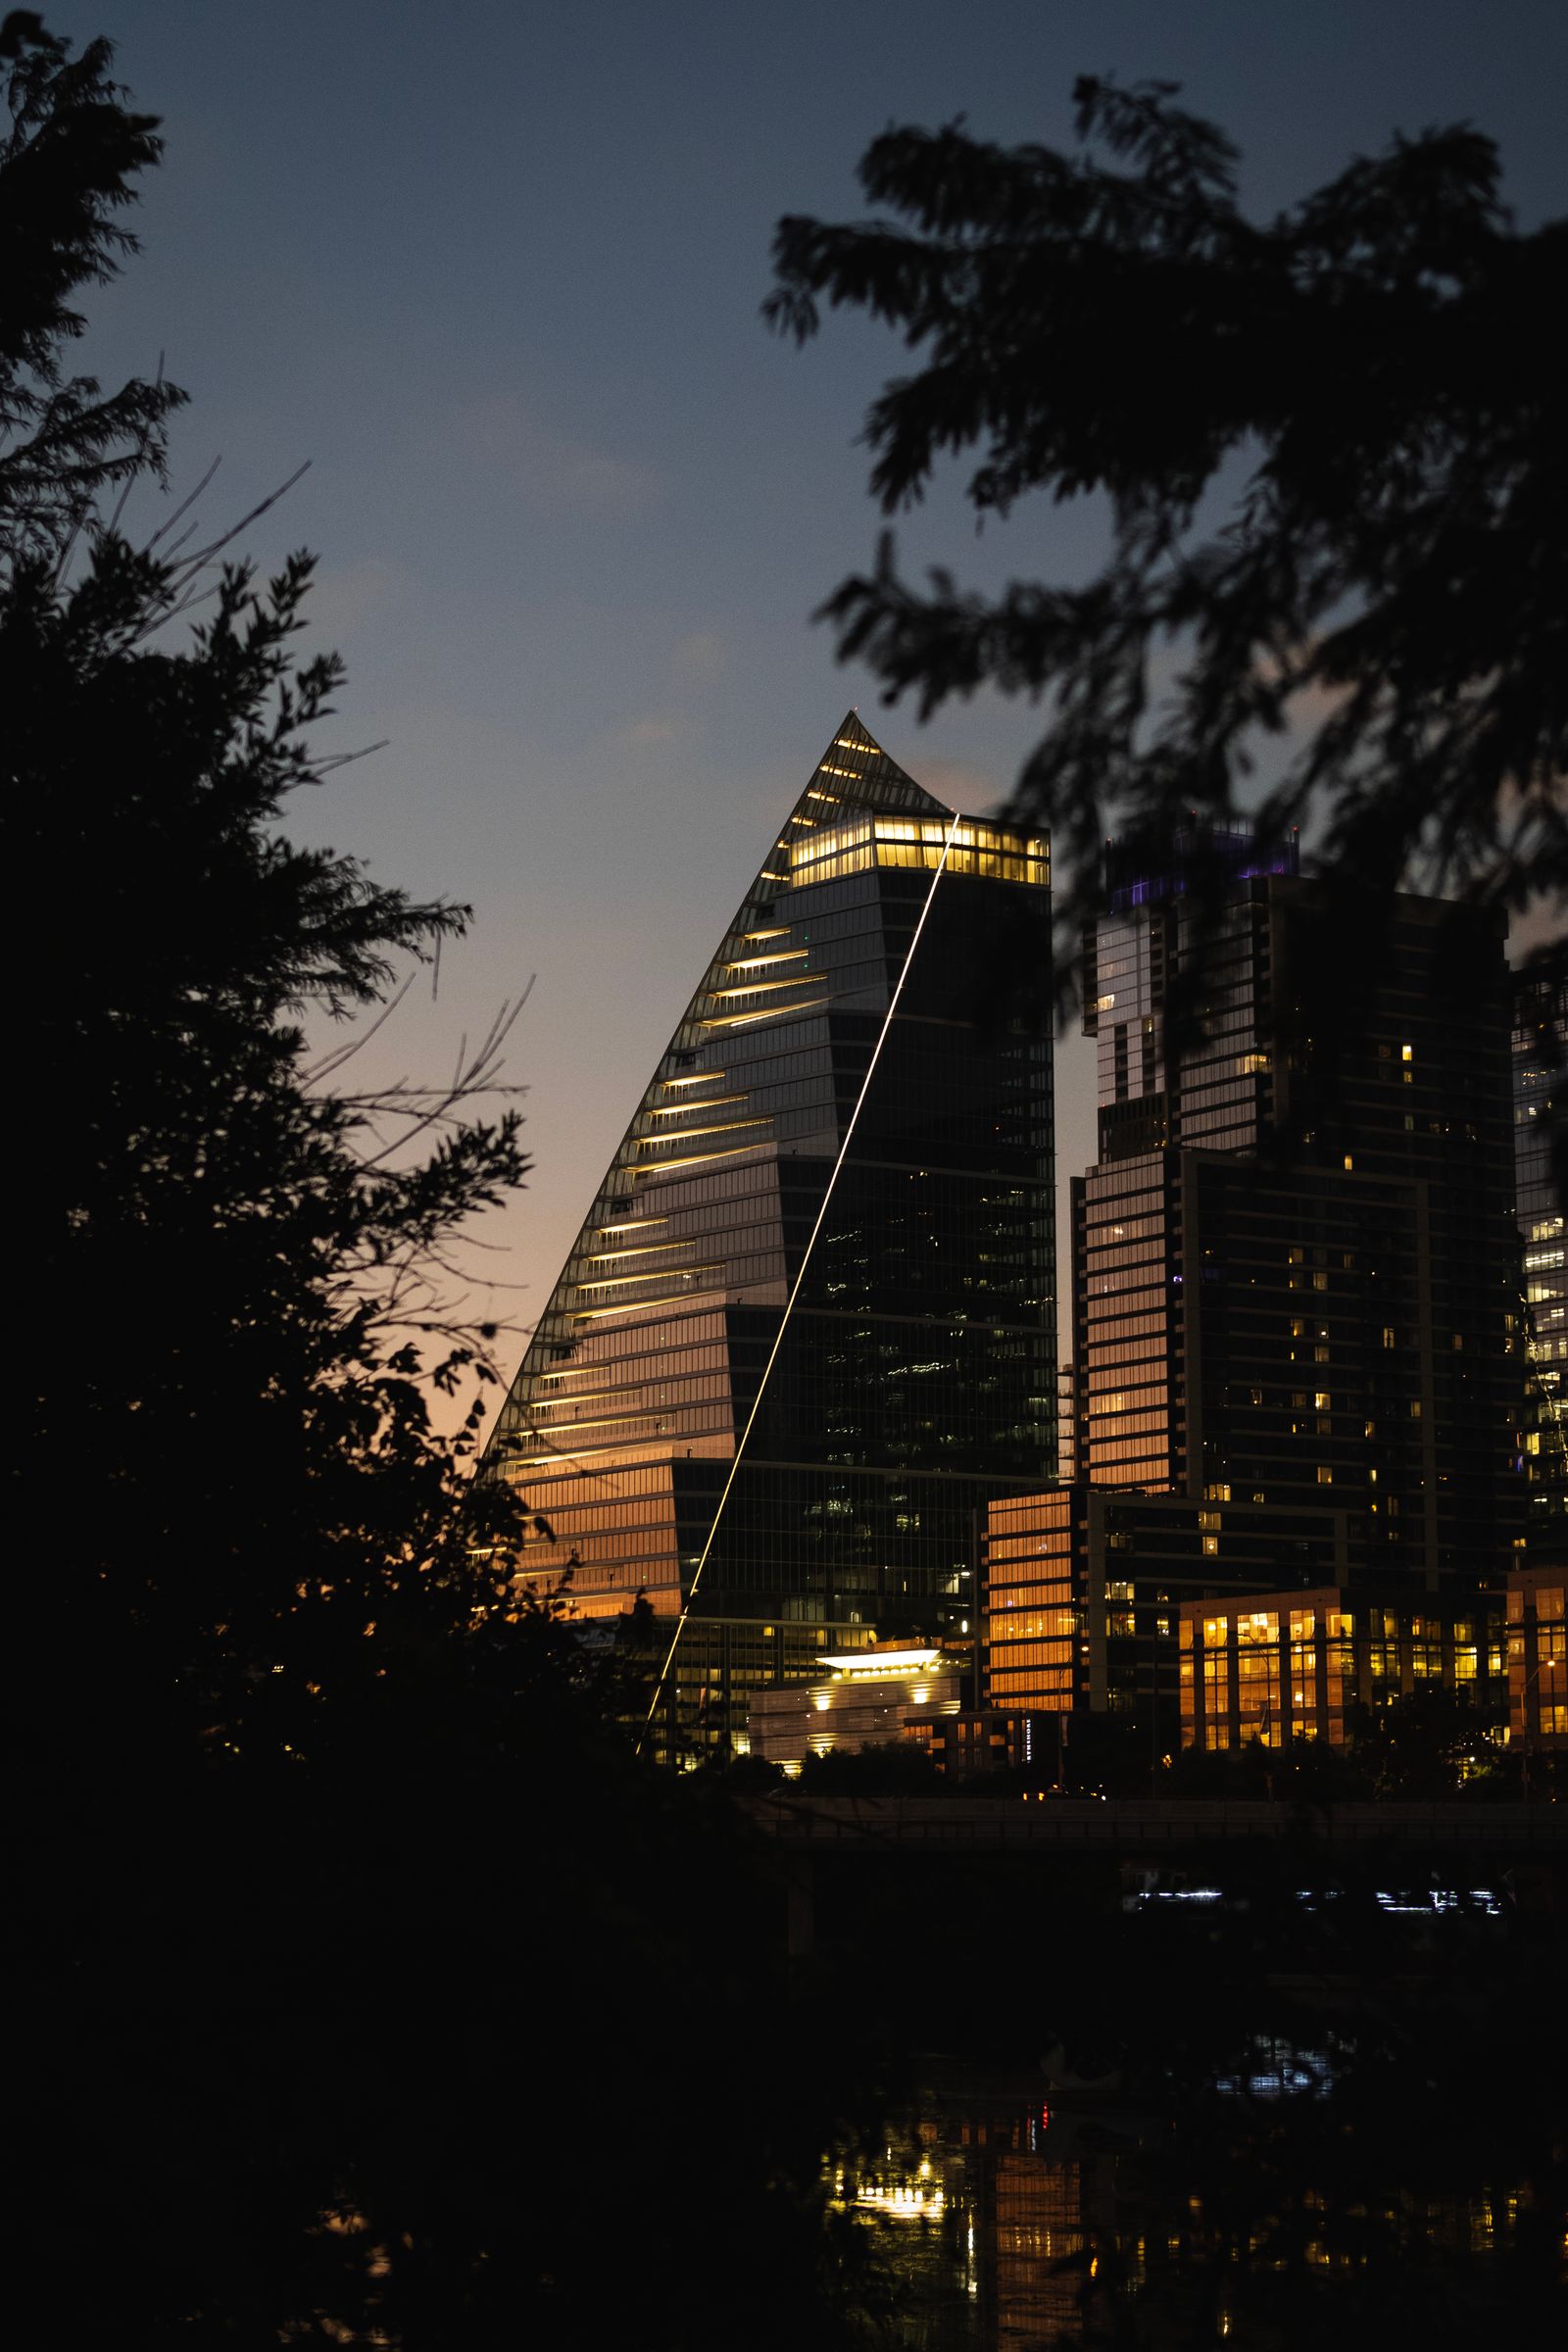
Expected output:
(1537, 1657)
(1280, 1666)
(860, 1699)
(966, 1746)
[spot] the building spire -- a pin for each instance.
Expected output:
(855, 768)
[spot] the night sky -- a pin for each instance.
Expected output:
(495, 272)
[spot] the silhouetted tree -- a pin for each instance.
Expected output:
(372, 1993)
(1422, 1743)
(66, 164)
(886, 1768)
(227, 1392)
(1333, 446)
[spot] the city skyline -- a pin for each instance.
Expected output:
(349, 1699)
(574, 506)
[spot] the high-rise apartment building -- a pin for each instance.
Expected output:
(1540, 1086)
(1295, 1280)
(808, 1330)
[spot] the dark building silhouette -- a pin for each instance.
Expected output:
(868, 1317)
(1296, 1325)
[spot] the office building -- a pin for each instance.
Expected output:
(808, 1330)
(1279, 1666)
(1538, 1659)
(1087, 1584)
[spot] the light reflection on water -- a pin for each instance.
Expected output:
(1004, 2225)
(1273, 2067)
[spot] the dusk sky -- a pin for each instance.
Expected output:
(495, 271)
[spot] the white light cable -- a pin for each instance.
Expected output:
(953, 818)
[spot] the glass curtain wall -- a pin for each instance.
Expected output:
(913, 1377)
(1540, 1030)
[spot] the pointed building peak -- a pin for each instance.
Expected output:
(855, 768)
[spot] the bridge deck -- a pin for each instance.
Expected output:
(1013, 1824)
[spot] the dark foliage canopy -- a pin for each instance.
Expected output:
(1334, 447)
(234, 1262)
(226, 1383)
(355, 1953)
(69, 155)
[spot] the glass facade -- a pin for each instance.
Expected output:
(1128, 1322)
(1086, 1584)
(1293, 1275)
(1036, 1620)
(868, 1317)
(1538, 1658)
(1275, 1667)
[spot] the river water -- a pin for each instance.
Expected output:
(1293, 2108)
(1292, 2205)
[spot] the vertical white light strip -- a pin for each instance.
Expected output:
(953, 818)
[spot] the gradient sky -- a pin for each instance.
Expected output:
(495, 272)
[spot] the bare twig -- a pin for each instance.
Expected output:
(184, 508)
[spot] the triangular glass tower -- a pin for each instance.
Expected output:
(872, 1326)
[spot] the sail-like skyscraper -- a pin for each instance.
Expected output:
(806, 1330)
